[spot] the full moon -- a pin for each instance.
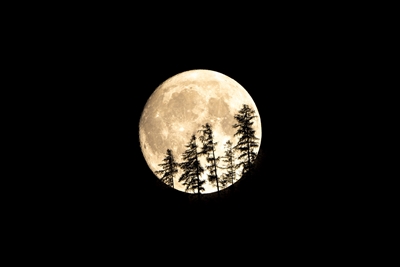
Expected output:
(179, 107)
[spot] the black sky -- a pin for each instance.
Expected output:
(99, 194)
(109, 84)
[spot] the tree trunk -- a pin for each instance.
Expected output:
(215, 169)
(198, 178)
(171, 175)
(232, 171)
(248, 149)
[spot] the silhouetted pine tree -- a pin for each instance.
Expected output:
(247, 139)
(229, 177)
(169, 169)
(208, 150)
(192, 168)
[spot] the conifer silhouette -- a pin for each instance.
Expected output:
(247, 140)
(229, 177)
(208, 150)
(169, 169)
(192, 168)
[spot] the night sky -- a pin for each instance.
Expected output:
(294, 182)
(101, 195)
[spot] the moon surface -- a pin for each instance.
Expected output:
(180, 106)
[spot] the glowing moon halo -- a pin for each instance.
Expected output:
(180, 105)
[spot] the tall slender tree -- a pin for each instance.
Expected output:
(229, 177)
(192, 168)
(208, 149)
(247, 139)
(169, 169)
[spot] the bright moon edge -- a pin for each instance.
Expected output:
(156, 132)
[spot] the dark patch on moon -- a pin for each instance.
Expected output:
(227, 125)
(181, 105)
(218, 108)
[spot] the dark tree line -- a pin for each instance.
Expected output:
(229, 177)
(247, 140)
(208, 150)
(169, 169)
(191, 166)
